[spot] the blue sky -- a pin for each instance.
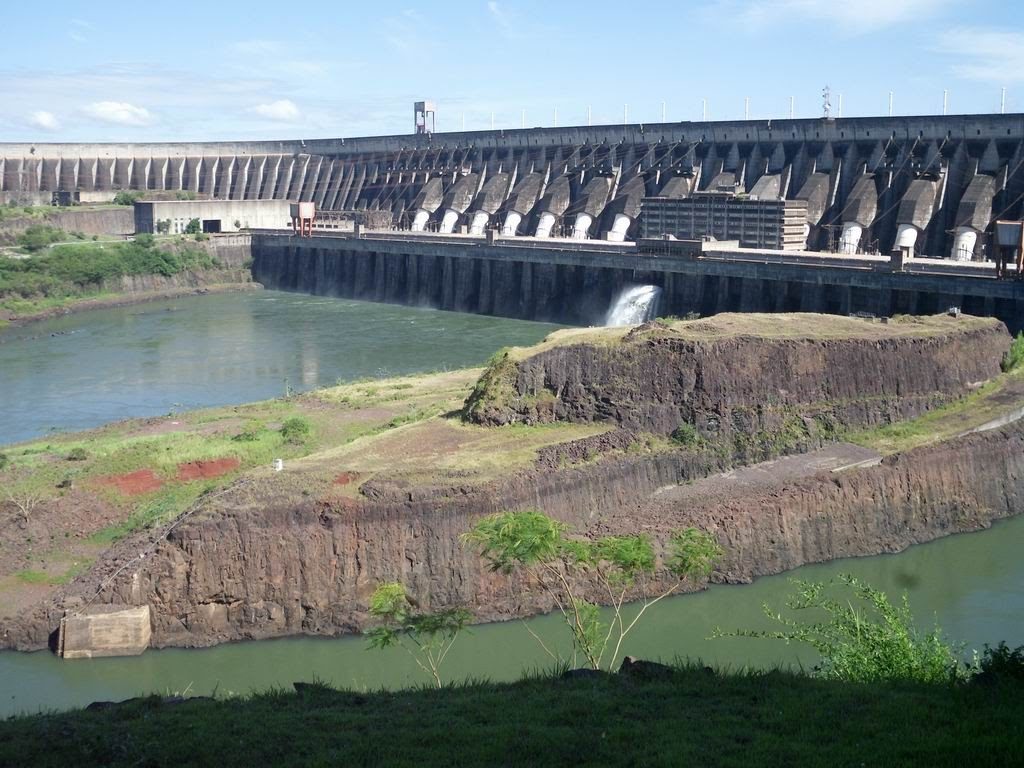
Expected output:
(222, 69)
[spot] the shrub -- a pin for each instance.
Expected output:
(430, 636)
(126, 197)
(163, 226)
(1002, 663)
(685, 434)
(565, 567)
(194, 227)
(864, 637)
(144, 239)
(295, 430)
(200, 236)
(4, 460)
(78, 453)
(38, 237)
(1015, 356)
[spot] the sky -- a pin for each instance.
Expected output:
(220, 69)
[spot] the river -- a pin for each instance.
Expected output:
(234, 348)
(83, 370)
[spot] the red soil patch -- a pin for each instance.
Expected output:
(193, 470)
(133, 483)
(346, 477)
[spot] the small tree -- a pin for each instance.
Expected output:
(163, 226)
(620, 566)
(194, 227)
(864, 638)
(426, 637)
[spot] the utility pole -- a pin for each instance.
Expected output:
(746, 107)
(890, 103)
(522, 122)
(588, 114)
(792, 107)
(556, 117)
(704, 109)
(945, 102)
(1002, 102)
(839, 109)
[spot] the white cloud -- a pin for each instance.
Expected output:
(120, 112)
(987, 55)
(282, 109)
(847, 15)
(47, 121)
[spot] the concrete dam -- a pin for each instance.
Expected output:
(933, 185)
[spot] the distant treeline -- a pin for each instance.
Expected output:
(76, 269)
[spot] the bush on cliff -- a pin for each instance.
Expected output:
(1015, 357)
(863, 638)
(40, 236)
(622, 566)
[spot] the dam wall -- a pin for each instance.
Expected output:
(575, 283)
(933, 183)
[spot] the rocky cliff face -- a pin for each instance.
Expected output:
(655, 380)
(261, 571)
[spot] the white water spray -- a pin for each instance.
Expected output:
(635, 304)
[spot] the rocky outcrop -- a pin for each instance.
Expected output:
(657, 379)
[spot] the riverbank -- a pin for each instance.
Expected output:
(76, 277)
(195, 284)
(691, 715)
(387, 474)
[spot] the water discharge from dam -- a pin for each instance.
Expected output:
(634, 304)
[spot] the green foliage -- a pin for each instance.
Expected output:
(39, 236)
(1002, 664)
(864, 637)
(163, 226)
(78, 453)
(194, 227)
(295, 430)
(517, 539)
(32, 577)
(1015, 357)
(686, 435)
(4, 460)
(201, 236)
(126, 197)
(495, 385)
(145, 239)
(426, 637)
(565, 567)
(74, 270)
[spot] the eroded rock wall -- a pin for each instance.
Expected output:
(266, 571)
(654, 381)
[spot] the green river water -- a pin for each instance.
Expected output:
(235, 348)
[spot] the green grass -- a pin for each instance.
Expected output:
(33, 577)
(984, 404)
(690, 717)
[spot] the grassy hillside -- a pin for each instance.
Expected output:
(690, 716)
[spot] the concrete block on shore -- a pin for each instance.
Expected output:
(104, 630)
